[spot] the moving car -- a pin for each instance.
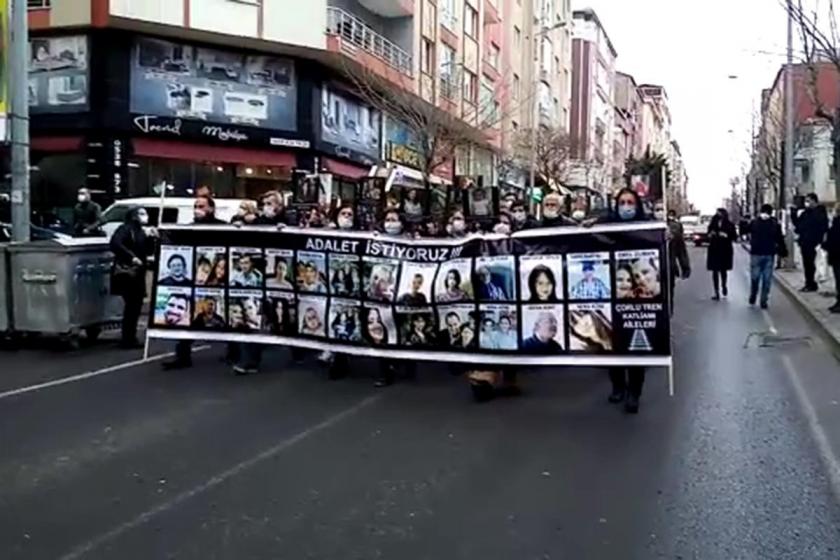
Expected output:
(696, 229)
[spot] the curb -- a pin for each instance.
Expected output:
(817, 321)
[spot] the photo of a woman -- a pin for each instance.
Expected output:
(218, 275)
(311, 323)
(637, 274)
(452, 288)
(375, 331)
(419, 332)
(646, 277)
(591, 330)
(625, 287)
(542, 285)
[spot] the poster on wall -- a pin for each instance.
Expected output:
(58, 74)
(187, 82)
(352, 130)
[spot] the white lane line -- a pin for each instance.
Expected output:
(216, 480)
(90, 374)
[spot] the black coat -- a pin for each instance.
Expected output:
(766, 238)
(721, 254)
(811, 226)
(832, 242)
(677, 251)
(130, 242)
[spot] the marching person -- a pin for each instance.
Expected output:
(552, 212)
(811, 226)
(627, 382)
(131, 247)
(521, 219)
(720, 256)
(87, 215)
(339, 364)
(678, 259)
(766, 243)
(832, 247)
(204, 214)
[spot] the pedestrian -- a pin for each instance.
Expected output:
(247, 213)
(521, 219)
(131, 247)
(552, 212)
(721, 255)
(87, 215)
(678, 259)
(811, 226)
(627, 382)
(339, 363)
(744, 227)
(273, 210)
(832, 247)
(204, 214)
(766, 243)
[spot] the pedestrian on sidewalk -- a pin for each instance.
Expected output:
(766, 243)
(811, 226)
(832, 247)
(679, 261)
(720, 256)
(131, 247)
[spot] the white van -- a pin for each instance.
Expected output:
(176, 210)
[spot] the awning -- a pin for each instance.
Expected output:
(217, 154)
(56, 144)
(342, 169)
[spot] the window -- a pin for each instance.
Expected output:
(517, 37)
(36, 4)
(517, 87)
(514, 126)
(493, 56)
(470, 87)
(804, 169)
(427, 58)
(448, 15)
(447, 67)
(547, 55)
(832, 172)
(545, 99)
(470, 21)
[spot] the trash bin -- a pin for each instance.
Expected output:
(62, 287)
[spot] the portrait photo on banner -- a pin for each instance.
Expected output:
(211, 266)
(541, 278)
(312, 316)
(280, 315)
(499, 328)
(311, 272)
(378, 326)
(495, 279)
(344, 322)
(247, 267)
(345, 278)
(543, 329)
(279, 271)
(637, 274)
(175, 267)
(209, 309)
(380, 278)
(173, 306)
(454, 281)
(457, 326)
(589, 276)
(416, 283)
(590, 327)
(245, 310)
(416, 326)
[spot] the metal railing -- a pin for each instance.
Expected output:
(356, 32)
(37, 4)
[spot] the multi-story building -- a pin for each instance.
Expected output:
(678, 184)
(627, 129)
(655, 120)
(592, 110)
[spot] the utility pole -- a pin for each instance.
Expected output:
(19, 103)
(789, 135)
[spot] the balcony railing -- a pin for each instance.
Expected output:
(37, 4)
(356, 32)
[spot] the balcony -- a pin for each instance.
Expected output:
(389, 8)
(37, 4)
(354, 31)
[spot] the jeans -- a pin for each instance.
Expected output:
(809, 264)
(761, 274)
(250, 355)
(131, 315)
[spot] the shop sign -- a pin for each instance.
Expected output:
(58, 74)
(149, 124)
(403, 155)
(290, 143)
(224, 134)
(402, 145)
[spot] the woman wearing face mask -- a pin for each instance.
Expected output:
(273, 211)
(247, 213)
(720, 256)
(339, 364)
(504, 224)
(131, 247)
(457, 226)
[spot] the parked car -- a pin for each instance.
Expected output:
(35, 233)
(176, 210)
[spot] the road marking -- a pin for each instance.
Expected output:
(216, 480)
(90, 374)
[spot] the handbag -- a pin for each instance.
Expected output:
(126, 272)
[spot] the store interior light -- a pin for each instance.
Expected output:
(219, 168)
(268, 171)
(249, 171)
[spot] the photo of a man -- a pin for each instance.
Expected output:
(175, 266)
(543, 336)
(589, 276)
(415, 296)
(172, 307)
(246, 268)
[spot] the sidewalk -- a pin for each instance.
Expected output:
(815, 304)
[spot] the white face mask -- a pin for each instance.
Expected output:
(502, 229)
(393, 228)
(764, 216)
(578, 214)
(659, 214)
(550, 213)
(143, 217)
(345, 223)
(458, 226)
(82, 197)
(269, 211)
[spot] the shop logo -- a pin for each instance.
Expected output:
(288, 143)
(224, 134)
(146, 125)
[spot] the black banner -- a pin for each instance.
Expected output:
(551, 296)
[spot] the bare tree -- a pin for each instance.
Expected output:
(551, 150)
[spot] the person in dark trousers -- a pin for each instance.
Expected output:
(720, 256)
(766, 243)
(811, 226)
(87, 215)
(678, 260)
(204, 214)
(131, 247)
(832, 247)
(627, 382)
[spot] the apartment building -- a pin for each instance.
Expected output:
(655, 119)
(627, 128)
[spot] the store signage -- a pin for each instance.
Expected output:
(404, 155)
(224, 134)
(148, 124)
(118, 165)
(289, 143)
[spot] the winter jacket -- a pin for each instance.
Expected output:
(766, 238)
(832, 242)
(86, 215)
(811, 226)
(720, 255)
(677, 250)
(127, 243)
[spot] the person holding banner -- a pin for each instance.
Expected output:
(339, 364)
(131, 247)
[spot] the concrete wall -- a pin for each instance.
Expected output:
(295, 22)
(169, 12)
(224, 16)
(70, 12)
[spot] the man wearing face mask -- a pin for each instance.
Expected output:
(766, 242)
(86, 215)
(552, 212)
(457, 226)
(273, 211)
(811, 227)
(131, 247)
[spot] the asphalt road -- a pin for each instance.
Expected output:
(135, 463)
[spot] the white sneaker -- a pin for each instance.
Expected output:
(325, 357)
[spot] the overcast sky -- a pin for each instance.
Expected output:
(691, 48)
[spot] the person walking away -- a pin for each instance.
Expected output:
(131, 247)
(204, 214)
(678, 259)
(721, 255)
(627, 382)
(811, 226)
(766, 243)
(832, 247)
(87, 215)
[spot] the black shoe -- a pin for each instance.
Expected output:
(244, 370)
(764, 305)
(725, 291)
(177, 364)
(383, 382)
(336, 372)
(716, 297)
(509, 391)
(482, 391)
(616, 397)
(752, 300)
(631, 405)
(808, 289)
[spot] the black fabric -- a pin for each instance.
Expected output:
(809, 265)
(183, 351)
(86, 215)
(832, 242)
(719, 280)
(133, 306)
(836, 269)
(766, 238)
(129, 242)
(811, 226)
(677, 250)
(210, 220)
(721, 255)
(631, 380)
